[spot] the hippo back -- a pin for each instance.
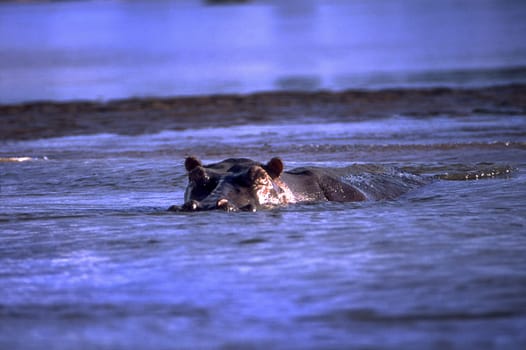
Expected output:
(380, 182)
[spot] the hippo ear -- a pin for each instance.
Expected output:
(190, 163)
(274, 167)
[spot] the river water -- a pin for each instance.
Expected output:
(115, 49)
(91, 259)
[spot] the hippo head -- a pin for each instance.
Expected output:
(201, 181)
(245, 186)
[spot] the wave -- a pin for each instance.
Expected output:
(370, 315)
(20, 159)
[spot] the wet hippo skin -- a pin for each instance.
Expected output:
(247, 185)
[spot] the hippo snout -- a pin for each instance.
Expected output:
(225, 205)
(192, 205)
(222, 204)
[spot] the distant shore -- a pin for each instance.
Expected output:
(150, 115)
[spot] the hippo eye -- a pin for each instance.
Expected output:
(255, 173)
(198, 175)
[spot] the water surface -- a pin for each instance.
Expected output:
(90, 258)
(116, 49)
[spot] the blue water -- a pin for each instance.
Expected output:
(116, 49)
(90, 258)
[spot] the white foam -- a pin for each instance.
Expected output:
(20, 159)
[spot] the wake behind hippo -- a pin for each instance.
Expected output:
(241, 184)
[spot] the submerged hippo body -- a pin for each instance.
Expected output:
(243, 184)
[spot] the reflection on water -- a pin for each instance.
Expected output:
(116, 49)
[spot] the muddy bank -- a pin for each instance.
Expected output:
(151, 115)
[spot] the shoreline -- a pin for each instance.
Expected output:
(133, 116)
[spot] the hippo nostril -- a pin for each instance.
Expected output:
(222, 204)
(193, 205)
(225, 205)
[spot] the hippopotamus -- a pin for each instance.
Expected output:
(241, 184)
